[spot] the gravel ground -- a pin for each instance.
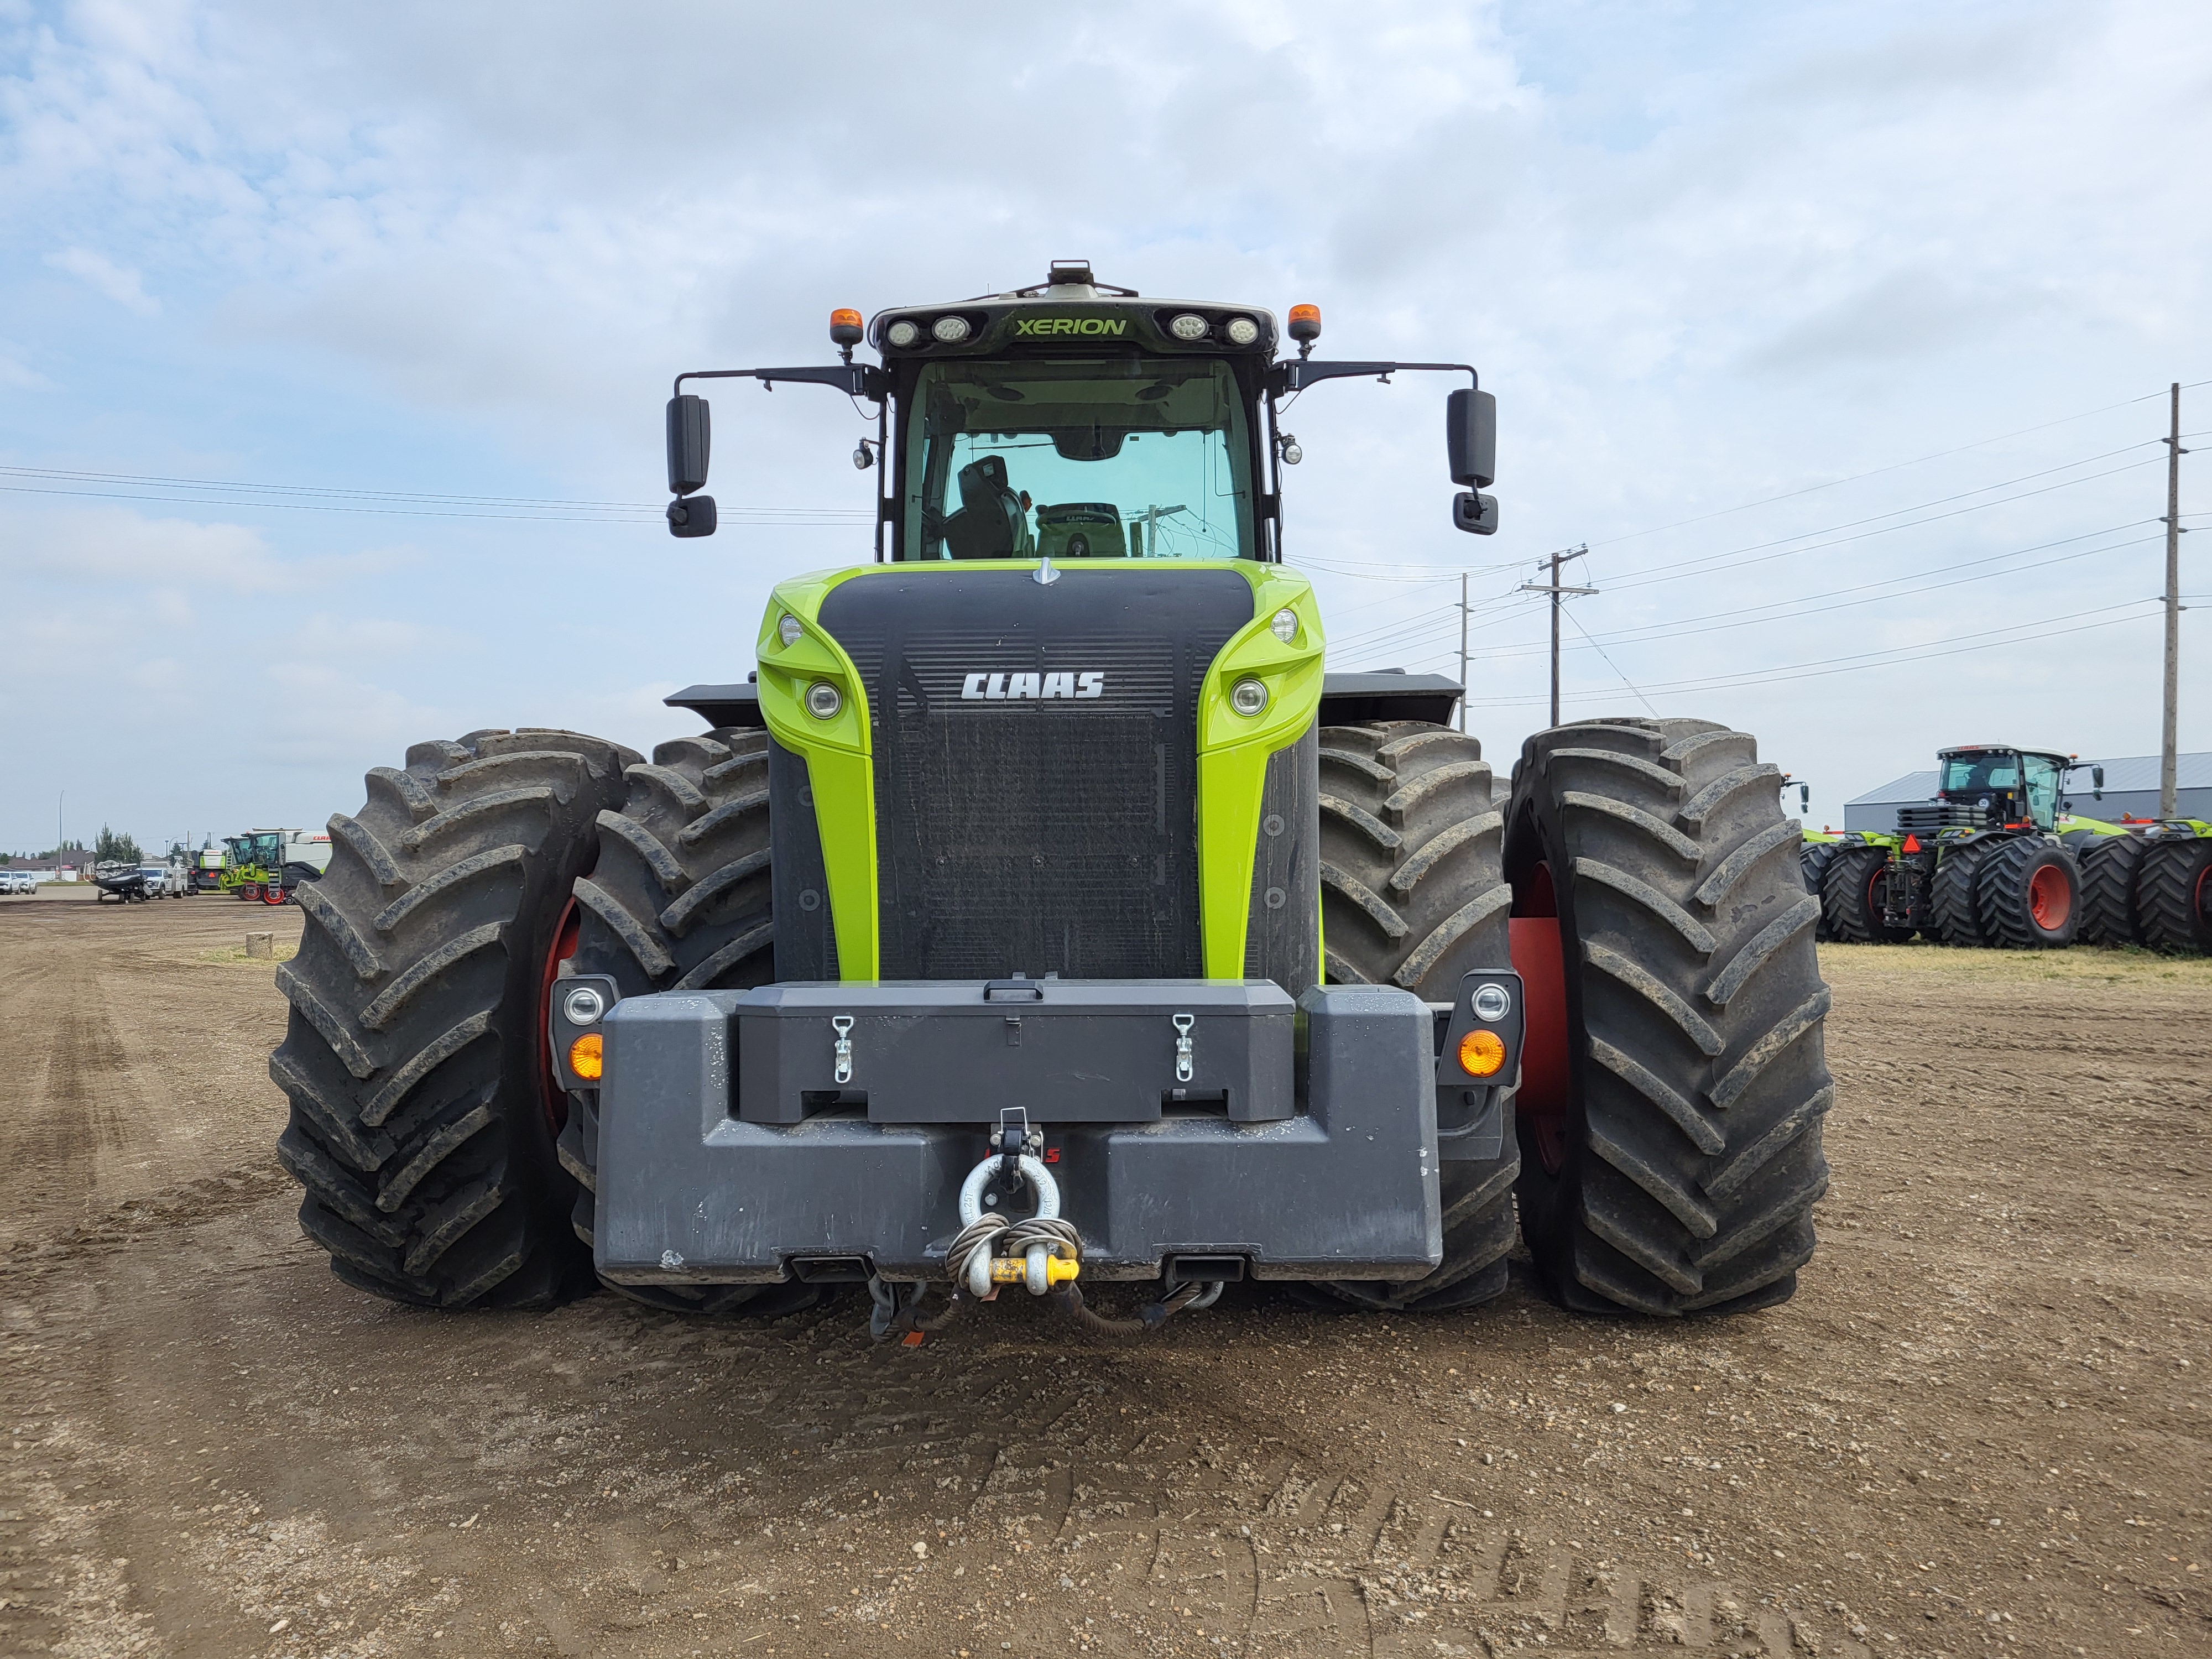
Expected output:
(1979, 1428)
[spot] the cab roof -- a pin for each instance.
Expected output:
(1070, 308)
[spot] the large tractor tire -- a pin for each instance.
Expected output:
(1853, 891)
(2173, 894)
(2109, 864)
(2029, 893)
(1674, 1083)
(1412, 896)
(679, 900)
(1813, 859)
(422, 1113)
(1956, 916)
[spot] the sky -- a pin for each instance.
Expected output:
(333, 345)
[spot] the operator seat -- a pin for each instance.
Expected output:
(990, 522)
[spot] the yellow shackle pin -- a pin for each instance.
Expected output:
(1013, 1270)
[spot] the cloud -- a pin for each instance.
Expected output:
(15, 374)
(118, 282)
(121, 546)
(1701, 257)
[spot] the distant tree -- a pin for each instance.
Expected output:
(119, 848)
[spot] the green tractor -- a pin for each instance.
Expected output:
(1981, 864)
(1039, 913)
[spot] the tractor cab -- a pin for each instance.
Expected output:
(1074, 420)
(2007, 787)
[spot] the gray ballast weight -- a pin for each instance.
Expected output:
(1305, 1143)
(1066, 1051)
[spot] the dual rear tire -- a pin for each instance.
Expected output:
(1674, 1169)
(2029, 893)
(1854, 892)
(1413, 895)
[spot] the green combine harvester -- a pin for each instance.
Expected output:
(268, 867)
(1999, 858)
(1038, 912)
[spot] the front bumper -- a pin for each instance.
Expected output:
(737, 1144)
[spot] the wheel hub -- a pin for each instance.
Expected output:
(2049, 898)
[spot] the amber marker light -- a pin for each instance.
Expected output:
(587, 1055)
(1481, 1053)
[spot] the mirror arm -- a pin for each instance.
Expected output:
(1296, 374)
(854, 379)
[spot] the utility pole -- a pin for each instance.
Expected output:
(2169, 736)
(1463, 650)
(1558, 593)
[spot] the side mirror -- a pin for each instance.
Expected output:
(1471, 437)
(688, 438)
(1804, 800)
(2097, 782)
(1477, 514)
(692, 515)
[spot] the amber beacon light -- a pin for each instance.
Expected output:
(1481, 1053)
(845, 326)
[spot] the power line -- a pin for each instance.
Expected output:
(1786, 610)
(1704, 564)
(1774, 611)
(1892, 658)
(134, 487)
(1894, 467)
(1609, 663)
(1707, 563)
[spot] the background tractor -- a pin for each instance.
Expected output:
(1981, 864)
(1999, 858)
(1037, 910)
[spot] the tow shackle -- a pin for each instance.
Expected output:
(1032, 1171)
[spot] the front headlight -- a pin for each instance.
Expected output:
(1284, 625)
(824, 700)
(1247, 697)
(788, 629)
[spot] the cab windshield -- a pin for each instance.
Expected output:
(1986, 774)
(1135, 457)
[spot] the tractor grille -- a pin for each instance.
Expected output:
(1927, 818)
(1036, 834)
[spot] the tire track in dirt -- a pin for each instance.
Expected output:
(215, 1449)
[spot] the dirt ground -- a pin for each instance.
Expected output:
(1979, 1428)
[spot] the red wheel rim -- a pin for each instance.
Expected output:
(1537, 957)
(272, 895)
(550, 1094)
(2050, 897)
